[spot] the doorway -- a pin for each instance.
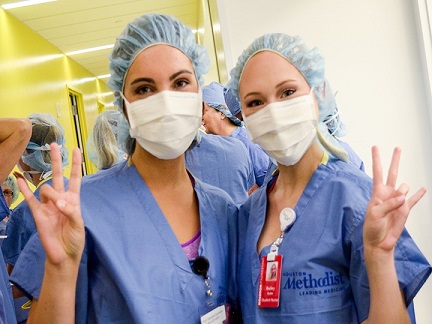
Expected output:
(75, 103)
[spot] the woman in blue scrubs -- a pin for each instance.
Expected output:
(336, 236)
(159, 244)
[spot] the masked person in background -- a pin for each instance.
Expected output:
(164, 249)
(11, 192)
(330, 229)
(35, 166)
(103, 146)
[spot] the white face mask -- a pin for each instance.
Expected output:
(284, 129)
(166, 123)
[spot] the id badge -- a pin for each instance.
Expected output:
(215, 316)
(269, 282)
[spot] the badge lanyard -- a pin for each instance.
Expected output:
(200, 266)
(271, 265)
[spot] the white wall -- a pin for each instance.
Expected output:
(373, 61)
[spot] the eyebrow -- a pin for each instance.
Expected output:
(150, 80)
(277, 86)
(175, 75)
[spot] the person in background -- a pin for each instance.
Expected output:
(222, 162)
(164, 249)
(218, 120)
(14, 136)
(102, 146)
(338, 237)
(11, 192)
(35, 166)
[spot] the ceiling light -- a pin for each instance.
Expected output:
(91, 49)
(24, 3)
(103, 76)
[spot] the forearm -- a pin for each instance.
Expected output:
(56, 302)
(387, 304)
(14, 136)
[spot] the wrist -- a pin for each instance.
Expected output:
(64, 271)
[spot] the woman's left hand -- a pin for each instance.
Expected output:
(388, 207)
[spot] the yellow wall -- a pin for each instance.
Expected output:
(35, 77)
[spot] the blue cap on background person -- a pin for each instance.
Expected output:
(45, 130)
(213, 96)
(231, 101)
(13, 186)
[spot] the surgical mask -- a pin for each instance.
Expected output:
(284, 129)
(28, 177)
(166, 123)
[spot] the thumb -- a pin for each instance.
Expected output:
(390, 205)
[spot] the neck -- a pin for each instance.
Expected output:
(298, 175)
(36, 179)
(157, 172)
(228, 129)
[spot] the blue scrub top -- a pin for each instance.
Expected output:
(20, 227)
(222, 162)
(133, 269)
(324, 277)
(353, 156)
(7, 311)
(259, 158)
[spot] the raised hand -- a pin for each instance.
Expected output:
(388, 208)
(58, 214)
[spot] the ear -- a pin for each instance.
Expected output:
(223, 116)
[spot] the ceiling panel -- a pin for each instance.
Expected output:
(72, 25)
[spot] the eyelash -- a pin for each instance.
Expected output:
(289, 91)
(183, 81)
(254, 103)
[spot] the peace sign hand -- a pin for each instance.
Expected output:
(388, 207)
(58, 214)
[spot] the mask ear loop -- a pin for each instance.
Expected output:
(123, 97)
(330, 120)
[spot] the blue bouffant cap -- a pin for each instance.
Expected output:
(146, 31)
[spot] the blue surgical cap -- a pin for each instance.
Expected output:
(13, 186)
(45, 130)
(213, 95)
(231, 101)
(146, 31)
(310, 63)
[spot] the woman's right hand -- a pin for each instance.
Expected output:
(58, 213)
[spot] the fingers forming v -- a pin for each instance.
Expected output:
(376, 169)
(57, 169)
(394, 168)
(75, 176)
